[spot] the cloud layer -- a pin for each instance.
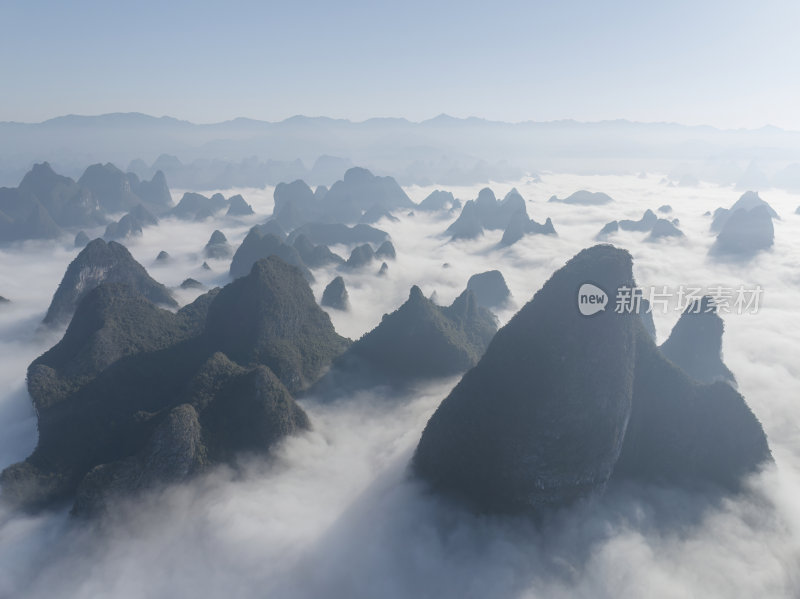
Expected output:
(333, 513)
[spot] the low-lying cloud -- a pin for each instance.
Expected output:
(334, 513)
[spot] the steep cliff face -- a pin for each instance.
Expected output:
(102, 262)
(562, 404)
(539, 422)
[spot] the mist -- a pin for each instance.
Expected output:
(333, 512)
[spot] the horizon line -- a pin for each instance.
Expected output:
(440, 117)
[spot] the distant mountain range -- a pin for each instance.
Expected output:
(444, 150)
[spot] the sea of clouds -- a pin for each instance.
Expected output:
(333, 512)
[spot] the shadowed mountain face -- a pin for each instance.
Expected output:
(358, 194)
(333, 233)
(562, 402)
(217, 246)
(419, 340)
(695, 344)
(487, 213)
(683, 433)
(155, 192)
(102, 262)
(130, 224)
(747, 201)
(744, 233)
(270, 317)
(257, 245)
(45, 202)
(315, 256)
(539, 421)
(195, 206)
(237, 206)
(468, 224)
(113, 419)
(335, 295)
(113, 188)
(490, 288)
(68, 203)
(521, 225)
(360, 257)
(439, 200)
(645, 223)
(664, 228)
(22, 216)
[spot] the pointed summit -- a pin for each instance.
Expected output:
(270, 317)
(102, 262)
(419, 340)
(539, 421)
(695, 343)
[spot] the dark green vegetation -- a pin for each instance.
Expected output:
(539, 422)
(102, 262)
(270, 317)
(419, 340)
(134, 395)
(561, 404)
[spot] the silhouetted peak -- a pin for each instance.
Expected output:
(217, 237)
(357, 174)
(695, 343)
(415, 295)
(486, 196)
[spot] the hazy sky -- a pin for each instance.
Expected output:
(725, 63)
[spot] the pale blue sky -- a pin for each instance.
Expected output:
(729, 64)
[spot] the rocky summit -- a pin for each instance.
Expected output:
(539, 421)
(419, 340)
(695, 344)
(113, 420)
(490, 288)
(102, 262)
(270, 317)
(684, 433)
(335, 295)
(563, 404)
